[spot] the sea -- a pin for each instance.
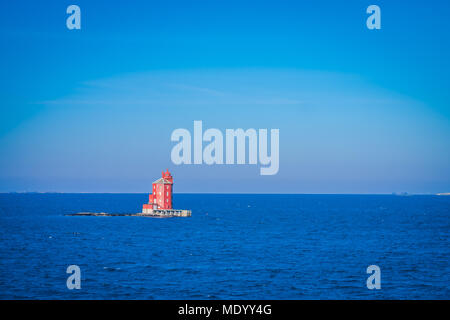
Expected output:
(235, 246)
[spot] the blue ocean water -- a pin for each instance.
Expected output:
(233, 247)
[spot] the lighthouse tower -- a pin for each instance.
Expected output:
(161, 196)
(160, 200)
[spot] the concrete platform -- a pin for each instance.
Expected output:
(166, 212)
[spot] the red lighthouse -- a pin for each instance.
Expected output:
(161, 196)
(160, 200)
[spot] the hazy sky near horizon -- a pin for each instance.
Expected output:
(92, 110)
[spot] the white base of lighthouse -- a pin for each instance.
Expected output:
(166, 212)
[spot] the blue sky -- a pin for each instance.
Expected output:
(92, 110)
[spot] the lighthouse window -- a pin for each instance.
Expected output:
(167, 194)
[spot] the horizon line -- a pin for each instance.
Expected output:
(232, 193)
